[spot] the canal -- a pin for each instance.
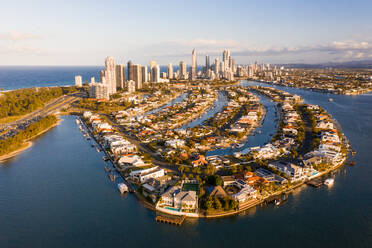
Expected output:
(57, 194)
(216, 107)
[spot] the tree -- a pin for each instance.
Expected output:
(234, 204)
(217, 203)
(181, 168)
(209, 203)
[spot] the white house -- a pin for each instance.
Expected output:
(131, 160)
(143, 175)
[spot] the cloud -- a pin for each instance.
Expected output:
(17, 43)
(336, 50)
(182, 48)
(18, 36)
(23, 49)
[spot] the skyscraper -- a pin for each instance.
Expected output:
(170, 71)
(130, 70)
(216, 66)
(120, 76)
(183, 72)
(78, 81)
(152, 65)
(137, 76)
(194, 65)
(110, 75)
(144, 74)
(102, 76)
(155, 74)
(207, 63)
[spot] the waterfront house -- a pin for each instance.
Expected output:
(324, 125)
(245, 193)
(269, 176)
(292, 171)
(143, 175)
(174, 199)
(131, 160)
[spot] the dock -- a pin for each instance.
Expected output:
(315, 183)
(176, 220)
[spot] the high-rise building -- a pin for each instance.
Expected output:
(145, 78)
(170, 71)
(152, 65)
(120, 76)
(183, 72)
(207, 63)
(130, 70)
(92, 80)
(131, 86)
(110, 75)
(216, 66)
(137, 76)
(233, 68)
(78, 81)
(98, 91)
(194, 65)
(225, 55)
(155, 74)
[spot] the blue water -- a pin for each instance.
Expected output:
(15, 77)
(57, 194)
(259, 136)
(215, 108)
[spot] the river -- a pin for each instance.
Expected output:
(57, 194)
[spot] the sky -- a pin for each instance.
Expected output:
(83, 32)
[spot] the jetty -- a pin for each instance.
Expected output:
(315, 183)
(175, 220)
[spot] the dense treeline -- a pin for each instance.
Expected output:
(15, 142)
(24, 101)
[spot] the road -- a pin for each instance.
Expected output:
(10, 129)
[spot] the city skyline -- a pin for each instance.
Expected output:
(74, 33)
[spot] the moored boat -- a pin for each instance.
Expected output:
(123, 188)
(239, 146)
(329, 181)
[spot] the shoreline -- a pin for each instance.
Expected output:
(324, 91)
(27, 143)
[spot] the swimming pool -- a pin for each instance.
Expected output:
(173, 209)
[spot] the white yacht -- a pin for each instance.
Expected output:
(329, 181)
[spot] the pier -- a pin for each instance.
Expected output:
(315, 183)
(176, 220)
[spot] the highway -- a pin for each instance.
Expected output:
(10, 129)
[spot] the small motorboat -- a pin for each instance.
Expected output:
(329, 181)
(330, 99)
(122, 188)
(239, 146)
